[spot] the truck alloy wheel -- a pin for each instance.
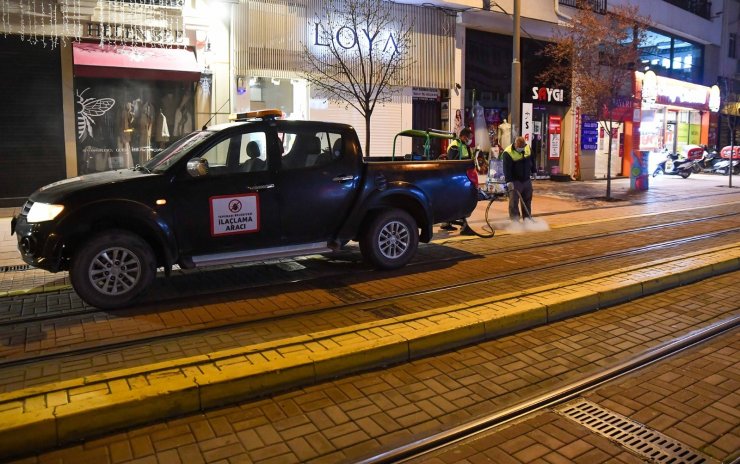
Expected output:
(112, 269)
(390, 240)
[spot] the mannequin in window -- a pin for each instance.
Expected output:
(504, 134)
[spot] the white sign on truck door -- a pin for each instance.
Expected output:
(234, 214)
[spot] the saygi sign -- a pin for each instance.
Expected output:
(235, 214)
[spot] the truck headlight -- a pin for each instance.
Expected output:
(41, 212)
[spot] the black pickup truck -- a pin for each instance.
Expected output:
(254, 189)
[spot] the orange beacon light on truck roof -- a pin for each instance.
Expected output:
(260, 114)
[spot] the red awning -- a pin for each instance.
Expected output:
(126, 62)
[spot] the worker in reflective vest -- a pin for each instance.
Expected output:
(460, 149)
(518, 169)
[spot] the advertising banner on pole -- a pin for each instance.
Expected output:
(527, 122)
(553, 130)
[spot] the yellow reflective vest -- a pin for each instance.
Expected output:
(462, 149)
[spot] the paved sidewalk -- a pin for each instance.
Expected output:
(71, 409)
(345, 419)
(692, 397)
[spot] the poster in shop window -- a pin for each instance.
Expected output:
(553, 130)
(234, 214)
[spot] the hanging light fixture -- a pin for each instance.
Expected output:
(120, 23)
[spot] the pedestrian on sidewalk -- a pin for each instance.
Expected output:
(459, 149)
(519, 166)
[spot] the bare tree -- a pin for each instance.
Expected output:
(357, 54)
(596, 56)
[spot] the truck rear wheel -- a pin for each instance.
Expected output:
(390, 240)
(112, 269)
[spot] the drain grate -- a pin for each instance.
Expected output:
(632, 435)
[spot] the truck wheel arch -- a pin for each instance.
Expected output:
(403, 201)
(134, 219)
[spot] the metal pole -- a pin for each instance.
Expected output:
(516, 78)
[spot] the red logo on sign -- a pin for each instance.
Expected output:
(235, 206)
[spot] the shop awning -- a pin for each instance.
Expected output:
(126, 62)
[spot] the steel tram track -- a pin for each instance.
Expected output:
(423, 447)
(68, 353)
(63, 314)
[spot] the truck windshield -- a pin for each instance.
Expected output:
(172, 154)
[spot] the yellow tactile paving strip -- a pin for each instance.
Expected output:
(69, 410)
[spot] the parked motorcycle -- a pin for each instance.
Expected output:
(723, 166)
(674, 166)
(707, 164)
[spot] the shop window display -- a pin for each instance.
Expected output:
(121, 123)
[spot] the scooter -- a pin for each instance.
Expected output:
(674, 166)
(723, 167)
(708, 162)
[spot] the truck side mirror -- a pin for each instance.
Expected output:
(198, 167)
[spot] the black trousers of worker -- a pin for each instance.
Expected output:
(523, 188)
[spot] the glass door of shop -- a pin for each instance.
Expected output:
(670, 139)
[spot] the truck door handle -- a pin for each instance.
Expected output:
(343, 178)
(262, 187)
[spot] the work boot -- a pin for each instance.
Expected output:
(466, 230)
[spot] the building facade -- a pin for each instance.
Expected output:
(100, 84)
(95, 86)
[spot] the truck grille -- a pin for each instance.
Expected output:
(26, 208)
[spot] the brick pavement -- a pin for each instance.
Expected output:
(352, 416)
(105, 327)
(691, 397)
(400, 284)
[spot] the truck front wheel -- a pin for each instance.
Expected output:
(390, 240)
(112, 269)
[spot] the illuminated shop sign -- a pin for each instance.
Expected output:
(347, 38)
(140, 34)
(666, 91)
(714, 99)
(547, 94)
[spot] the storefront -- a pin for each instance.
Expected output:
(488, 84)
(269, 67)
(543, 111)
(130, 103)
(87, 83)
(673, 114)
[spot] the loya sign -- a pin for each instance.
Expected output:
(548, 95)
(347, 38)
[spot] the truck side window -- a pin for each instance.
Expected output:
(308, 149)
(253, 152)
(218, 157)
(239, 153)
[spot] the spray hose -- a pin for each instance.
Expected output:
(488, 230)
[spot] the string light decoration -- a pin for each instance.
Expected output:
(115, 23)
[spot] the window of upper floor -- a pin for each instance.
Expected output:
(671, 56)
